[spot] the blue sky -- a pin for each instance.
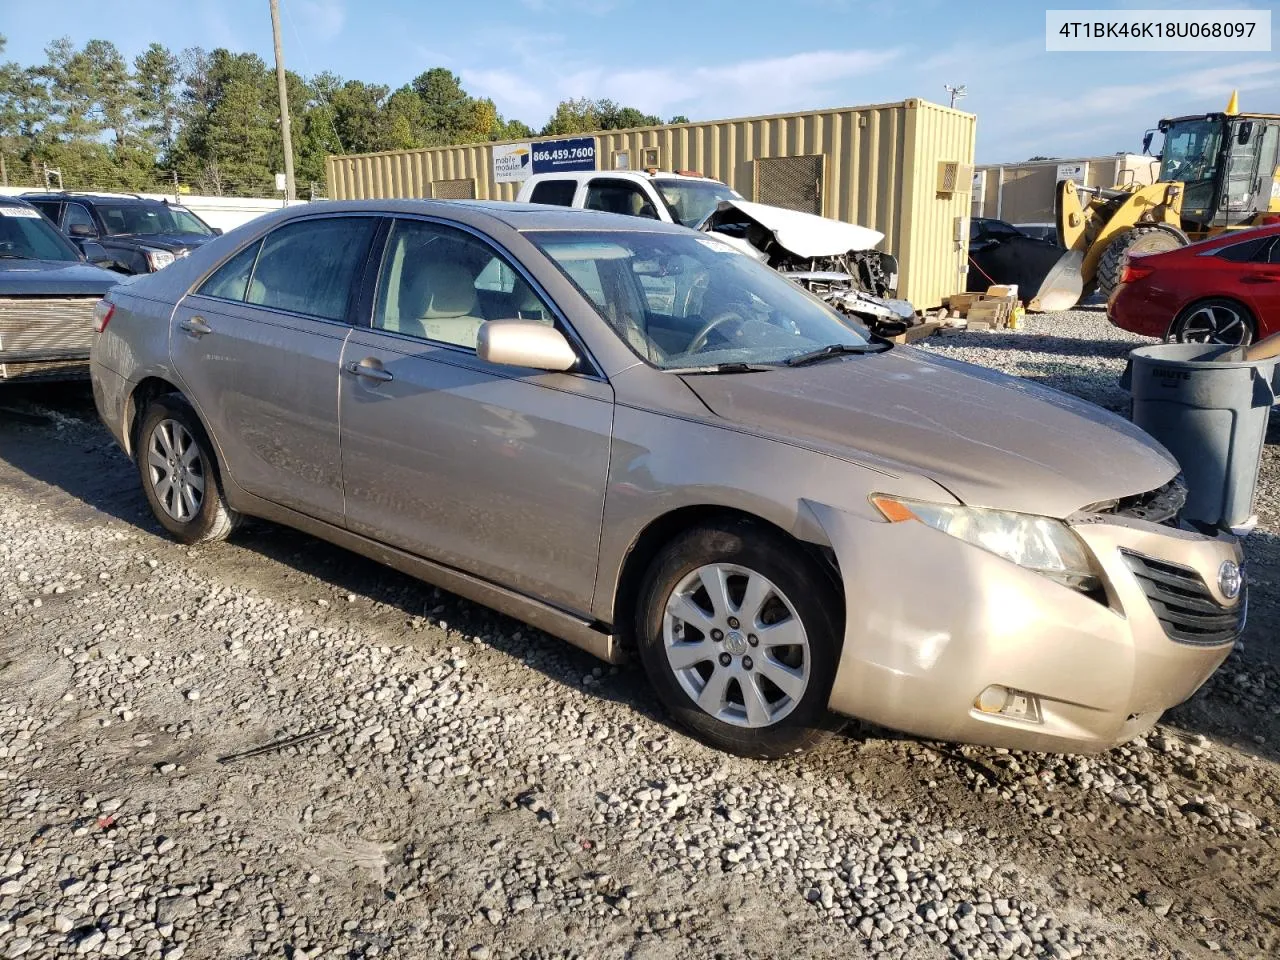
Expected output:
(712, 59)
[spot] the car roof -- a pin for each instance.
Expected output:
(518, 216)
(113, 197)
(580, 175)
(15, 201)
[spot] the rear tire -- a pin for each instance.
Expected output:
(1217, 320)
(709, 652)
(180, 474)
(1142, 239)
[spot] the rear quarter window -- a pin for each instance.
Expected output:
(1245, 252)
(557, 192)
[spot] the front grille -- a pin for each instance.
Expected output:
(1183, 604)
(44, 329)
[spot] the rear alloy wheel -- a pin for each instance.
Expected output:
(179, 475)
(736, 631)
(1213, 321)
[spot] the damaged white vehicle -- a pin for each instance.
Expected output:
(835, 260)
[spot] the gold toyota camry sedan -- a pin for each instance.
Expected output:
(636, 438)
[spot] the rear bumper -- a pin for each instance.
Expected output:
(110, 396)
(924, 641)
(1132, 308)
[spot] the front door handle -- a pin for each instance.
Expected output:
(369, 368)
(1261, 277)
(196, 326)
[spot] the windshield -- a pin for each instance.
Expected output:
(26, 235)
(689, 300)
(149, 219)
(691, 201)
(1191, 150)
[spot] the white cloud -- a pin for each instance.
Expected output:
(324, 19)
(771, 85)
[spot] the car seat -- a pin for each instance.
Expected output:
(439, 303)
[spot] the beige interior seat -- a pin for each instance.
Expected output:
(440, 304)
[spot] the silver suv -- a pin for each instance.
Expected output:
(641, 440)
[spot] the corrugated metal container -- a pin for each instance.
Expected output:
(1026, 192)
(904, 169)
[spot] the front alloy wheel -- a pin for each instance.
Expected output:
(736, 645)
(176, 469)
(739, 629)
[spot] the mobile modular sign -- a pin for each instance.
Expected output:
(516, 162)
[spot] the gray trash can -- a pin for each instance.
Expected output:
(1212, 415)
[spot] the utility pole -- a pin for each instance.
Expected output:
(284, 103)
(956, 92)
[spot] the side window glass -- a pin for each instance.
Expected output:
(558, 192)
(76, 214)
(1243, 252)
(50, 210)
(441, 284)
(310, 266)
(231, 280)
(619, 196)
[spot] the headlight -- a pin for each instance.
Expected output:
(1041, 544)
(156, 259)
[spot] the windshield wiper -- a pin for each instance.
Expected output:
(834, 350)
(737, 367)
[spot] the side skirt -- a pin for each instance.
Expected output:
(592, 638)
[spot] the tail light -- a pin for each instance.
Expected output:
(103, 311)
(1134, 271)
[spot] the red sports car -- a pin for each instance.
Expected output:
(1222, 290)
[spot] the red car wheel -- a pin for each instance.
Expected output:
(1214, 321)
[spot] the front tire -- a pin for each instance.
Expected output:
(179, 473)
(738, 629)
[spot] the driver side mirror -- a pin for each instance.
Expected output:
(217, 231)
(82, 231)
(1146, 141)
(525, 343)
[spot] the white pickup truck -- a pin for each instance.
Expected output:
(833, 259)
(669, 197)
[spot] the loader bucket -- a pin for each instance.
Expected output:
(1062, 285)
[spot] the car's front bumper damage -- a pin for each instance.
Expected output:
(963, 645)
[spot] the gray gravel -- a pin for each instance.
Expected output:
(488, 792)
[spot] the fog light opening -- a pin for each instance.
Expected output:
(1014, 704)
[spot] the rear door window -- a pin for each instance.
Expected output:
(48, 207)
(311, 266)
(557, 192)
(231, 280)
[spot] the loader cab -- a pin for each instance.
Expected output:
(1226, 163)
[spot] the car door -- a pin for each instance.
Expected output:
(258, 347)
(497, 471)
(1260, 283)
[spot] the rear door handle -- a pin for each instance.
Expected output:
(370, 369)
(196, 326)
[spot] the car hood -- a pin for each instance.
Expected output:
(54, 278)
(800, 234)
(991, 440)
(163, 241)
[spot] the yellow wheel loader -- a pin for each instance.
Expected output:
(1218, 171)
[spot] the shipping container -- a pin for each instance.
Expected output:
(905, 169)
(1026, 192)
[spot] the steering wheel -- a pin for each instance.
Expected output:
(699, 340)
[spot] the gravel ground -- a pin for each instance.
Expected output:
(476, 789)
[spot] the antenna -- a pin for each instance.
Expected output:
(957, 92)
